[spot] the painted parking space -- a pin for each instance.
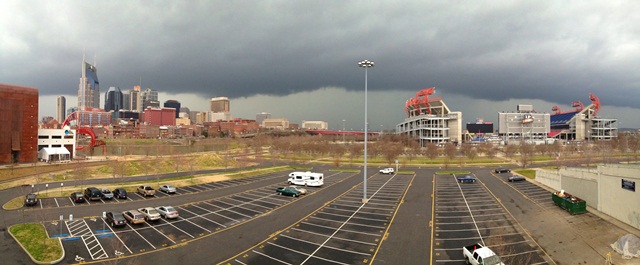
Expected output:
(535, 193)
(95, 240)
(345, 231)
(465, 214)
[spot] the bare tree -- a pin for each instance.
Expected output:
(431, 151)
(526, 154)
(355, 150)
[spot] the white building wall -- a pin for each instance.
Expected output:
(57, 138)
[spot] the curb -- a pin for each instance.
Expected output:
(32, 258)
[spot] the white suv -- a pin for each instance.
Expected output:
(388, 170)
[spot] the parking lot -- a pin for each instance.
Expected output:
(87, 239)
(58, 202)
(467, 213)
(345, 231)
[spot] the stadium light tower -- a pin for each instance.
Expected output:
(366, 64)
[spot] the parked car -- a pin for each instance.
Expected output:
(288, 191)
(502, 170)
(302, 191)
(115, 219)
(31, 199)
(93, 194)
(466, 178)
(168, 188)
(107, 194)
(146, 190)
(133, 216)
(120, 193)
(516, 178)
(150, 213)
(77, 197)
(388, 170)
(167, 212)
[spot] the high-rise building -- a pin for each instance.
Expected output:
(149, 98)
(126, 101)
(89, 88)
(173, 104)
(113, 99)
(135, 102)
(60, 109)
(220, 104)
(262, 116)
(19, 119)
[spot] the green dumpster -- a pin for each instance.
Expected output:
(572, 204)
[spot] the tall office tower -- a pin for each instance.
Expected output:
(173, 104)
(62, 105)
(126, 101)
(113, 99)
(149, 97)
(89, 88)
(220, 104)
(262, 116)
(135, 102)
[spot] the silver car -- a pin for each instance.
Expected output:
(168, 188)
(107, 194)
(150, 213)
(167, 212)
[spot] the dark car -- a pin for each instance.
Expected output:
(120, 193)
(77, 197)
(115, 219)
(466, 178)
(288, 191)
(502, 170)
(30, 200)
(93, 194)
(516, 178)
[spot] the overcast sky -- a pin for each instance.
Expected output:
(298, 59)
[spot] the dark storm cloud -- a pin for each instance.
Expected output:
(548, 50)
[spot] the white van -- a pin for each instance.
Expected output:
(311, 179)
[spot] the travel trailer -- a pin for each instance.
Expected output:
(311, 179)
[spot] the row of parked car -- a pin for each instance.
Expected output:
(140, 215)
(94, 194)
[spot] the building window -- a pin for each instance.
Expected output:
(43, 136)
(56, 137)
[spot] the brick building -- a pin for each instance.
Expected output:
(19, 119)
(159, 116)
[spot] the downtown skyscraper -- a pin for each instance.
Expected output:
(89, 88)
(61, 108)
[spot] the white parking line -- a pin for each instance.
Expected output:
(177, 228)
(198, 215)
(345, 222)
(134, 230)
(336, 237)
(57, 205)
(174, 242)
(181, 218)
(116, 235)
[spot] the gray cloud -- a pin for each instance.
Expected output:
(556, 52)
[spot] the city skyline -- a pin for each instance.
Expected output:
(482, 58)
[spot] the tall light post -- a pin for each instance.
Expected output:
(343, 131)
(366, 64)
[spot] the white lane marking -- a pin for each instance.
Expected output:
(201, 216)
(345, 222)
(337, 221)
(299, 252)
(57, 205)
(313, 243)
(174, 242)
(346, 230)
(267, 256)
(339, 238)
(134, 230)
(177, 228)
(116, 234)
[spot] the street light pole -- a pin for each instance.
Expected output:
(366, 64)
(343, 131)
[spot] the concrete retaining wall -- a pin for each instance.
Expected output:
(601, 188)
